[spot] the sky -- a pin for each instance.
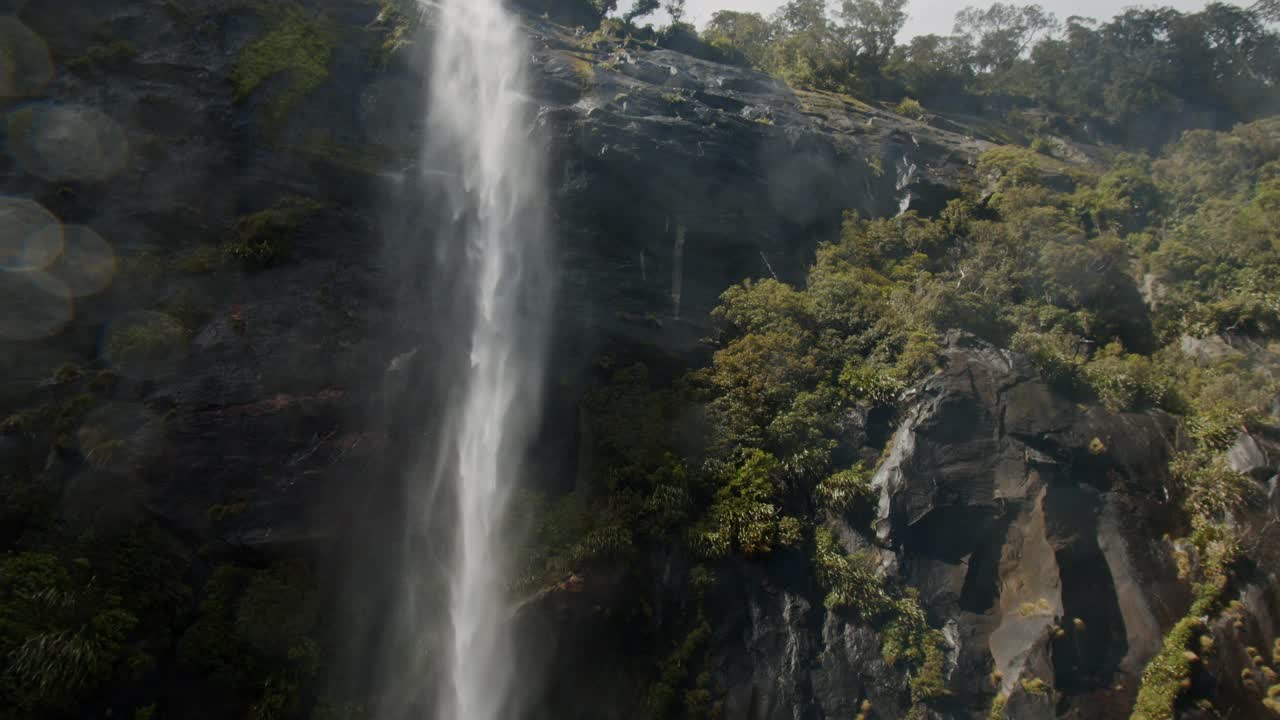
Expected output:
(937, 16)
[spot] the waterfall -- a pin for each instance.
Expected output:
(481, 216)
(906, 175)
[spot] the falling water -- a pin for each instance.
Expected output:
(480, 132)
(906, 175)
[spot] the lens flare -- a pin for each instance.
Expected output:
(88, 263)
(67, 142)
(36, 305)
(31, 237)
(25, 65)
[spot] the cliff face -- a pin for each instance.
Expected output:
(245, 196)
(1032, 528)
(672, 177)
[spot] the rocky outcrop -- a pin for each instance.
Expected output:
(1028, 523)
(679, 176)
(1032, 528)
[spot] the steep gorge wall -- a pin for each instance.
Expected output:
(252, 215)
(674, 178)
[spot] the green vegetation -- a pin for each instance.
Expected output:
(998, 704)
(254, 635)
(397, 20)
(911, 108)
(742, 516)
(1145, 69)
(200, 261)
(1035, 686)
(1045, 262)
(665, 699)
(769, 450)
(112, 55)
(845, 491)
(55, 418)
(70, 627)
(154, 337)
(1163, 680)
(298, 46)
(854, 587)
(265, 238)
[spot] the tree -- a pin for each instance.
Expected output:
(747, 35)
(641, 8)
(870, 27)
(802, 16)
(1002, 34)
(676, 9)
(804, 50)
(931, 65)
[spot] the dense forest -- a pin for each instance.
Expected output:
(1138, 79)
(1138, 277)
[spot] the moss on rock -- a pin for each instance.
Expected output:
(265, 238)
(298, 45)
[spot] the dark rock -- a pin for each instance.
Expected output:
(1255, 457)
(1025, 533)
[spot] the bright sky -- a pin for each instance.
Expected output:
(937, 16)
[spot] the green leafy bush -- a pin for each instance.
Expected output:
(743, 516)
(63, 635)
(911, 108)
(153, 337)
(846, 490)
(1125, 381)
(851, 582)
(255, 635)
(265, 238)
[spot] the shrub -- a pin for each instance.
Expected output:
(998, 704)
(878, 387)
(1127, 382)
(57, 419)
(62, 635)
(1009, 167)
(911, 108)
(851, 582)
(663, 700)
(153, 337)
(1035, 686)
(845, 490)
(1163, 678)
(265, 238)
(254, 634)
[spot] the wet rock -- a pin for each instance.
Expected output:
(1207, 350)
(1020, 532)
(1255, 457)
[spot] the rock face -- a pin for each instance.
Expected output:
(679, 177)
(1028, 524)
(1015, 512)
(673, 178)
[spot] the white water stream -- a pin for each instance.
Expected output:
(480, 120)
